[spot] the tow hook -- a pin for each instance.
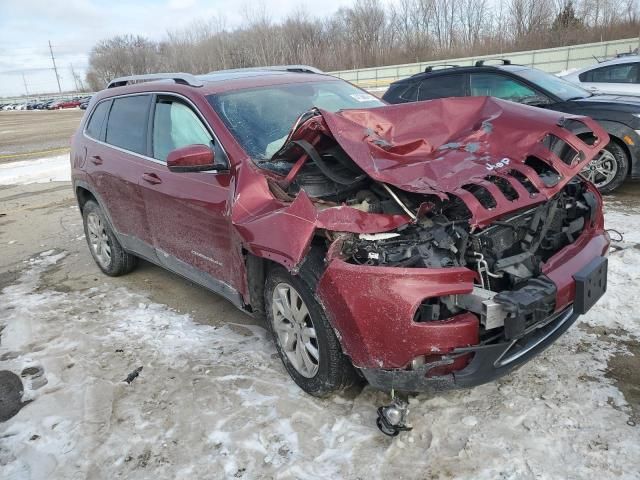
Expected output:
(392, 418)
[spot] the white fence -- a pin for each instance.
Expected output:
(552, 60)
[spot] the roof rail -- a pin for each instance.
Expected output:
(430, 68)
(275, 68)
(294, 68)
(504, 61)
(181, 78)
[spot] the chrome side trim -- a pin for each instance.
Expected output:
(560, 320)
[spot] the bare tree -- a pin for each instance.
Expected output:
(121, 55)
(472, 20)
(367, 33)
(530, 16)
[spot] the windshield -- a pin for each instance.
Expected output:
(555, 85)
(260, 118)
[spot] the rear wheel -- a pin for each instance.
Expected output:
(103, 244)
(305, 340)
(609, 168)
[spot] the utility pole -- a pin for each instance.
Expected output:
(75, 78)
(55, 69)
(24, 80)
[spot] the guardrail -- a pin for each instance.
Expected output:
(552, 60)
(43, 96)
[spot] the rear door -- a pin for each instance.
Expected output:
(115, 162)
(188, 212)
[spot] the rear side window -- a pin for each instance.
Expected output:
(94, 127)
(442, 86)
(624, 73)
(127, 124)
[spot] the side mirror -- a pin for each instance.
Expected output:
(192, 158)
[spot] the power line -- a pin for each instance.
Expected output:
(53, 59)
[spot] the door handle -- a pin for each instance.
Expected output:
(151, 178)
(96, 160)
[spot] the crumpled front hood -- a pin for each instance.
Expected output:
(441, 147)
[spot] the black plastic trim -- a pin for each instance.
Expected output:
(489, 362)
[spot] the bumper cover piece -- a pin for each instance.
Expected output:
(489, 362)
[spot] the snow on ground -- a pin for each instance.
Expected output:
(216, 402)
(41, 170)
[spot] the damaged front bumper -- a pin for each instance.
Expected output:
(488, 362)
(374, 309)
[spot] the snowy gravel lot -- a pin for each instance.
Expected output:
(213, 400)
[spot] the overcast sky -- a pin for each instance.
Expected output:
(74, 26)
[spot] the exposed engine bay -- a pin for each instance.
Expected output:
(504, 254)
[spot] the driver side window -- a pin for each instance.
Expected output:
(500, 86)
(175, 125)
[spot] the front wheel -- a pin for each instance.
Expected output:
(609, 168)
(305, 340)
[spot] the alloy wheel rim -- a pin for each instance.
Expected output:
(295, 330)
(601, 170)
(99, 240)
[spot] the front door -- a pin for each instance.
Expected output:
(188, 212)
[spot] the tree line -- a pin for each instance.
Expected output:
(366, 34)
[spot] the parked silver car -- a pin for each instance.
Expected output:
(620, 76)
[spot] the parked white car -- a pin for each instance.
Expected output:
(620, 76)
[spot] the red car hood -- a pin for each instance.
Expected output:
(445, 147)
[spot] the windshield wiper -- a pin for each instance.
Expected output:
(579, 97)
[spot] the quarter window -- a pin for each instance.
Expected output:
(442, 86)
(402, 92)
(127, 124)
(175, 125)
(94, 126)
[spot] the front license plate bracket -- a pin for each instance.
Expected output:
(591, 283)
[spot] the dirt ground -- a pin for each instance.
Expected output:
(28, 134)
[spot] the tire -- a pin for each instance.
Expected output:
(609, 169)
(105, 249)
(333, 370)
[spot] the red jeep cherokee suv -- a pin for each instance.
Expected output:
(421, 245)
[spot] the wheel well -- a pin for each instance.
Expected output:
(612, 138)
(257, 268)
(627, 152)
(83, 195)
